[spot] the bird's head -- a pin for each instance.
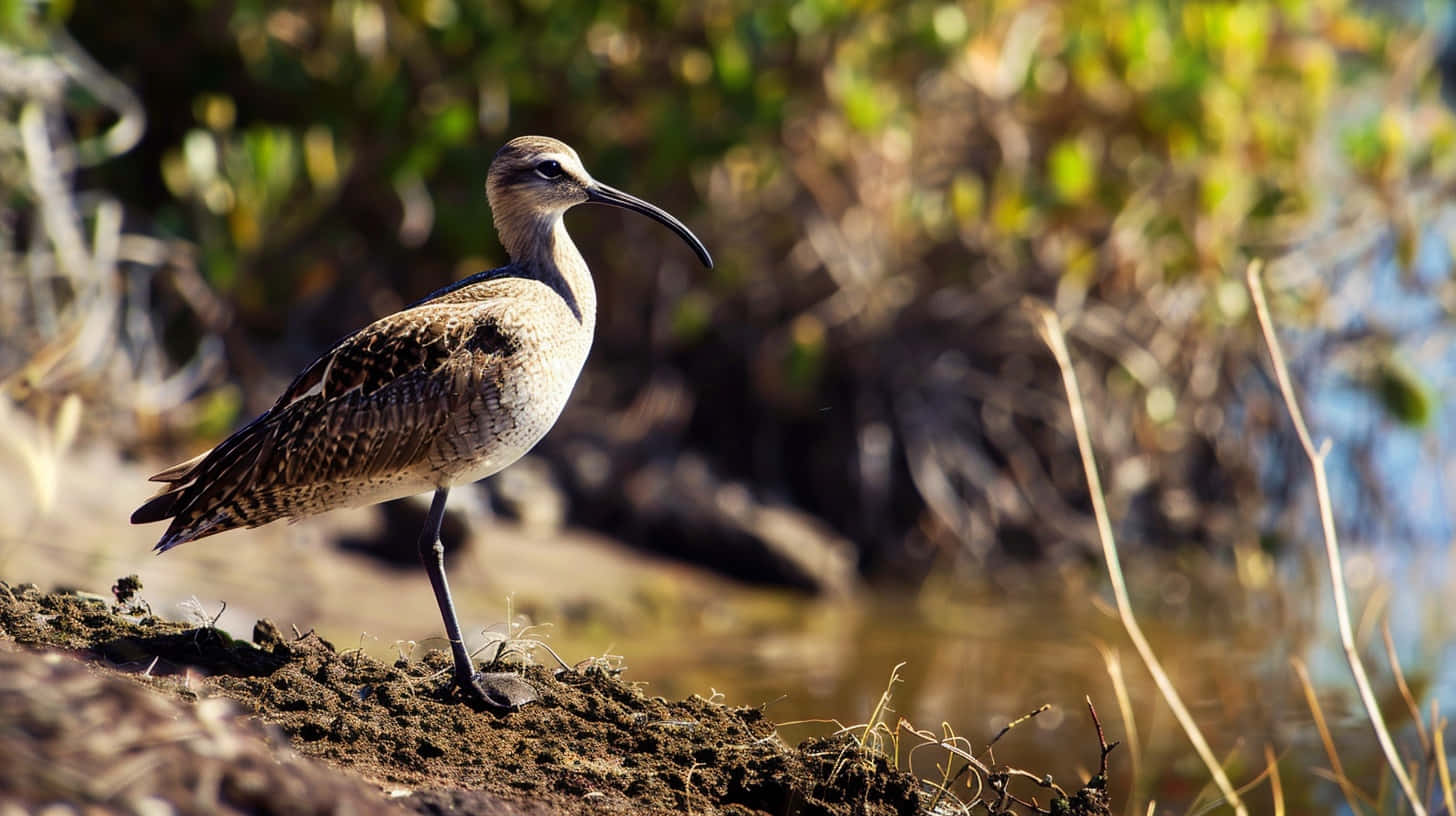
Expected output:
(538, 178)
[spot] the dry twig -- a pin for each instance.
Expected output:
(1317, 456)
(1101, 740)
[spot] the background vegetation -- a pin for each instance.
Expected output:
(881, 184)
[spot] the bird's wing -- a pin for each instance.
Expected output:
(372, 405)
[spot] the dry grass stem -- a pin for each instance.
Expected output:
(1317, 457)
(1443, 770)
(1129, 724)
(1276, 788)
(1346, 786)
(1050, 329)
(1405, 692)
(1018, 721)
(877, 716)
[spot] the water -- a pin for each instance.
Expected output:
(976, 661)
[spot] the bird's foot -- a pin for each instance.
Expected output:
(502, 691)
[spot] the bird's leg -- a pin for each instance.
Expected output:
(497, 689)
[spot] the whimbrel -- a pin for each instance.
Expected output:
(450, 390)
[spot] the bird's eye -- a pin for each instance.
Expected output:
(549, 169)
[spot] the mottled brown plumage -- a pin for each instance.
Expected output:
(450, 390)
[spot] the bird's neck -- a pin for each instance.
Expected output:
(541, 248)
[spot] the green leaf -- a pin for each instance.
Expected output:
(1073, 170)
(1403, 395)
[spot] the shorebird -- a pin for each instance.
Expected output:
(450, 390)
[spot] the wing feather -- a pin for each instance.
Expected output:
(373, 406)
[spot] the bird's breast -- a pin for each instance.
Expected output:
(513, 401)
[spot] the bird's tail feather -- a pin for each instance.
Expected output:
(197, 494)
(161, 506)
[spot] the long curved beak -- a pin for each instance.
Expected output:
(599, 193)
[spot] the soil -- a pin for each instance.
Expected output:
(104, 704)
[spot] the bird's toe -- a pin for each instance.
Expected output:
(502, 691)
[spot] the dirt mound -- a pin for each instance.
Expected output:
(70, 734)
(591, 744)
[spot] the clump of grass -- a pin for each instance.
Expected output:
(988, 785)
(404, 649)
(606, 663)
(517, 640)
(871, 737)
(196, 614)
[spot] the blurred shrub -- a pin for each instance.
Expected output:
(881, 184)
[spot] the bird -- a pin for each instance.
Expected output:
(450, 390)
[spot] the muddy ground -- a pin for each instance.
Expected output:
(102, 703)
